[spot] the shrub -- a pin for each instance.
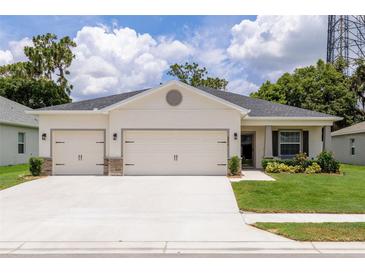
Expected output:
(313, 168)
(288, 162)
(35, 165)
(284, 168)
(266, 161)
(272, 167)
(301, 159)
(295, 169)
(234, 165)
(327, 162)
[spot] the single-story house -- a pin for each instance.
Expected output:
(349, 144)
(174, 129)
(18, 133)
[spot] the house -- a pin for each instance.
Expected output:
(174, 129)
(349, 144)
(18, 133)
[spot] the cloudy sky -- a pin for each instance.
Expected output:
(123, 53)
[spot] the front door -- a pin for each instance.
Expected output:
(247, 150)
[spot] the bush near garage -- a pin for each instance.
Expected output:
(35, 166)
(234, 166)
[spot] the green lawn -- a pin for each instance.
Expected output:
(13, 175)
(317, 232)
(324, 193)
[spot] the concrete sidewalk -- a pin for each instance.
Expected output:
(250, 217)
(173, 249)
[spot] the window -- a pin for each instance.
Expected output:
(21, 142)
(289, 143)
(352, 146)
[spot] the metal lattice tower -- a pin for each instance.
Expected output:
(346, 38)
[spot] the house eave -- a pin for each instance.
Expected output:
(17, 124)
(67, 112)
(282, 118)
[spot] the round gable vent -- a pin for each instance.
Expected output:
(174, 97)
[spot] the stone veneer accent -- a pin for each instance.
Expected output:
(113, 166)
(46, 167)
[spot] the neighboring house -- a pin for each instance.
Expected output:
(349, 144)
(174, 129)
(18, 133)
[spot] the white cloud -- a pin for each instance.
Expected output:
(15, 51)
(17, 48)
(113, 61)
(5, 57)
(274, 44)
(242, 86)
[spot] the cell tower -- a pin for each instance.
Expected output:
(346, 38)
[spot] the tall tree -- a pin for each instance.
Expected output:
(358, 83)
(42, 80)
(196, 76)
(321, 87)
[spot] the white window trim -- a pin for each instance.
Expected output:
(288, 143)
(21, 143)
(352, 146)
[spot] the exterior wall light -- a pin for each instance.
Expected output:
(44, 136)
(115, 136)
(235, 135)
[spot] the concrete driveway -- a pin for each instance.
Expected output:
(92, 208)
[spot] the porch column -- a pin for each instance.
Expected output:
(268, 142)
(327, 138)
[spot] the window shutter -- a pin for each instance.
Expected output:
(306, 141)
(275, 143)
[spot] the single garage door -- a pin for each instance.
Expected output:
(175, 152)
(78, 152)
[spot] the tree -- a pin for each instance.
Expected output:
(33, 93)
(321, 87)
(196, 76)
(358, 83)
(41, 81)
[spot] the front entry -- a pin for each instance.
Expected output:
(247, 150)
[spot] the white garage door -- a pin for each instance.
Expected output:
(175, 152)
(78, 152)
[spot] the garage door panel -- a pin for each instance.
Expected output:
(153, 152)
(78, 152)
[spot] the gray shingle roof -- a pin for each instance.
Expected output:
(96, 103)
(263, 108)
(14, 113)
(258, 107)
(357, 128)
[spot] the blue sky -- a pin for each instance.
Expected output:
(122, 53)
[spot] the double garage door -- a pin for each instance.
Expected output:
(145, 152)
(175, 152)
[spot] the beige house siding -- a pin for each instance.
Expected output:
(9, 144)
(342, 148)
(315, 139)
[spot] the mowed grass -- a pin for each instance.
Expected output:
(13, 175)
(325, 193)
(317, 232)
